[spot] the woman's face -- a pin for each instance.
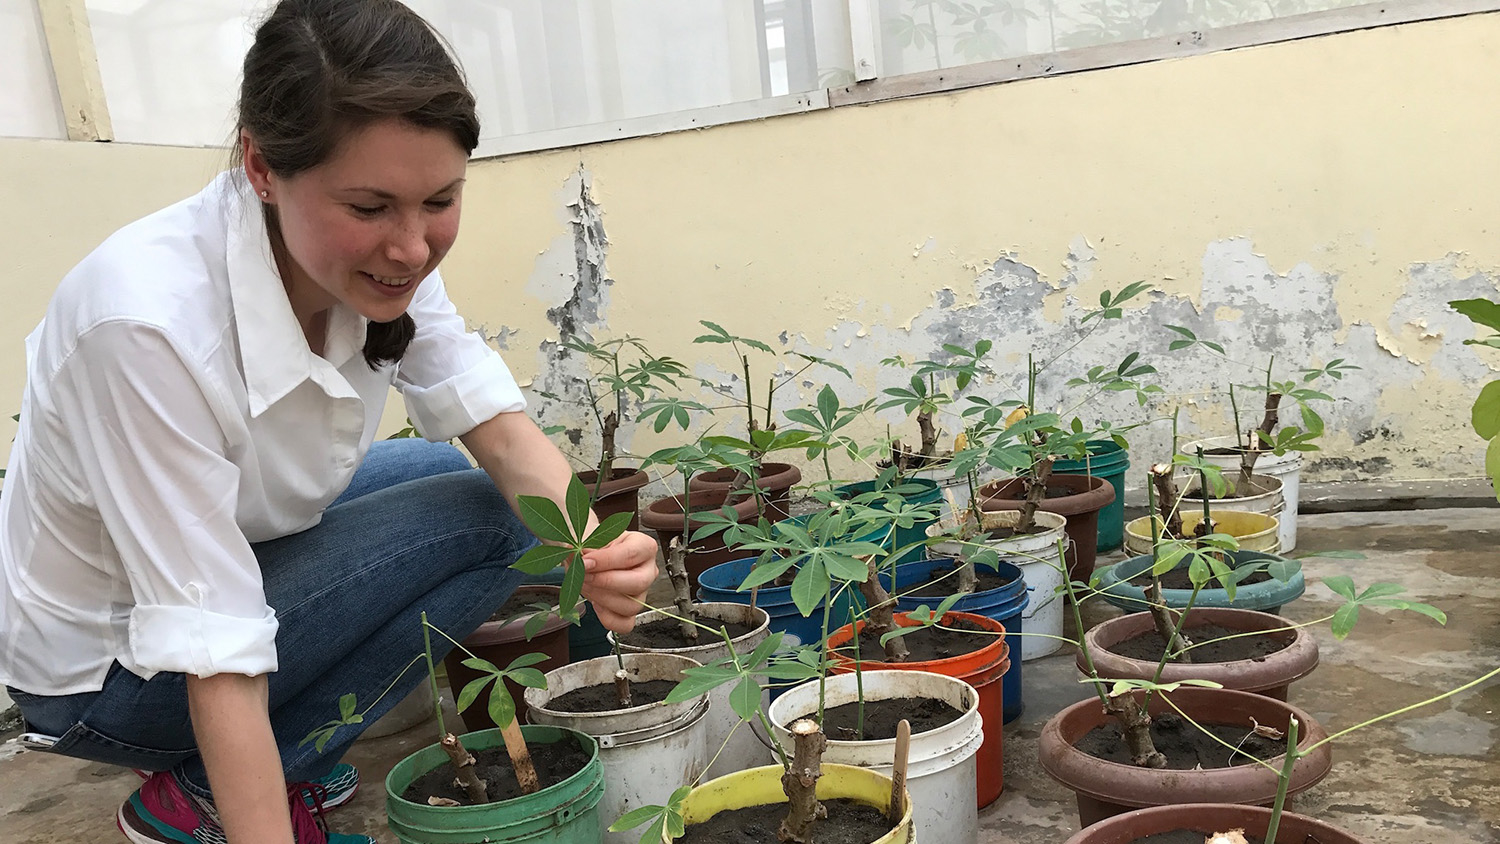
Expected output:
(366, 226)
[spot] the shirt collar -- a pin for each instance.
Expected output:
(273, 349)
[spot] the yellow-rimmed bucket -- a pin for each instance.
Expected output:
(1255, 531)
(762, 787)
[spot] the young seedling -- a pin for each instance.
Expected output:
(1485, 416)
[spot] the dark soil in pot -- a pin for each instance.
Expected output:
(604, 698)
(1150, 646)
(931, 643)
(848, 822)
(1178, 579)
(944, 583)
(1185, 746)
(882, 716)
(667, 633)
(554, 763)
(1010, 532)
(521, 606)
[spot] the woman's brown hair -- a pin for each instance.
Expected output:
(321, 69)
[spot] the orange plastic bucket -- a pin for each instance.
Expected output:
(983, 669)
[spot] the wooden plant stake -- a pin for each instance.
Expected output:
(463, 764)
(800, 783)
(898, 773)
(520, 757)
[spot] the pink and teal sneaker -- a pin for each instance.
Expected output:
(161, 812)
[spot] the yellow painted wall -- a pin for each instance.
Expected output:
(1340, 187)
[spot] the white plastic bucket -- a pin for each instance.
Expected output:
(1041, 565)
(941, 763)
(1287, 467)
(647, 751)
(743, 749)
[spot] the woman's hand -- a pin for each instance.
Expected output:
(617, 576)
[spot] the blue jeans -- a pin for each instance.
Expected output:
(417, 530)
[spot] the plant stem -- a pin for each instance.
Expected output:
(437, 700)
(1283, 780)
(800, 783)
(1234, 410)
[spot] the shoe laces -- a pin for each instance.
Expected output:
(308, 826)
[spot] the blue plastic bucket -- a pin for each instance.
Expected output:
(722, 583)
(1109, 461)
(1004, 605)
(903, 537)
(1266, 596)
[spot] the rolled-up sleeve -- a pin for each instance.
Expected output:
(451, 379)
(146, 427)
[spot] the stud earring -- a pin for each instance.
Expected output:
(265, 194)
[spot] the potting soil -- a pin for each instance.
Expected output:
(1185, 746)
(520, 606)
(1191, 836)
(944, 583)
(554, 763)
(848, 822)
(1178, 579)
(1150, 646)
(1010, 532)
(881, 717)
(667, 633)
(605, 698)
(931, 643)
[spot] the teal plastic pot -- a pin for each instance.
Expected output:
(566, 813)
(1109, 461)
(903, 537)
(1267, 596)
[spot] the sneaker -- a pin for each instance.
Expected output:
(338, 785)
(161, 812)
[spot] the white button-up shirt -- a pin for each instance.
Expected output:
(173, 415)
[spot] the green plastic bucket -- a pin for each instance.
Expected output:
(566, 813)
(1109, 461)
(903, 536)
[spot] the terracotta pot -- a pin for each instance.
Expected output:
(1105, 788)
(776, 482)
(1269, 675)
(619, 494)
(500, 642)
(664, 516)
(983, 669)
(1208, 818)
(1081, 509)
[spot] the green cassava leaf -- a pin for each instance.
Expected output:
(347, 704)
(472, 690)
(608, 530)
(745, 699)
(1341, 585)
(1344, 618)
(541, 515)
(542, 559)
(502, 707)
(577, 500)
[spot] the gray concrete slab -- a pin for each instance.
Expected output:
(1431, 776)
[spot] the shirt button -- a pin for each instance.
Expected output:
(348, 462)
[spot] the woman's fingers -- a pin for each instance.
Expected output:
(617, 578)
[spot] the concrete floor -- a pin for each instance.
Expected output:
(1428, 777)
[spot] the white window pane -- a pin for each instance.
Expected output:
(918, 35)
(29, 108)
(171, 68)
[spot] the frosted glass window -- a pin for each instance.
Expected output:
(918, 35)
(29, 108)
(171, 67)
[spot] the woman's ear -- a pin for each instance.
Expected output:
(256, 169)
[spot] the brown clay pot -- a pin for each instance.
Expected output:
(776, 482)
(619, 494)
(1081, 509)
(500, 642)
(1269, 675)
(1208, 818)
(1105, 788)
(664, 516)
